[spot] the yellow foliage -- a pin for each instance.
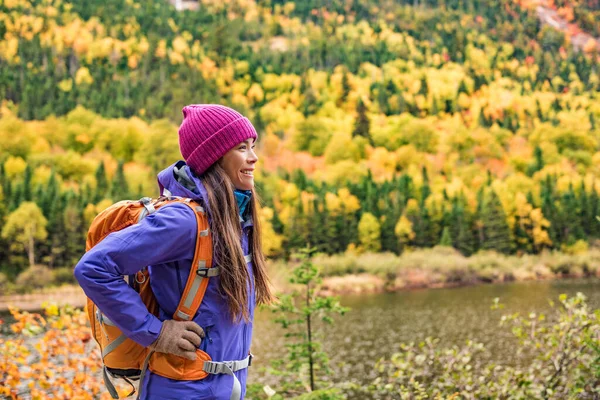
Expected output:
(539, 230)
(66, 85)
(348, 201)
(341, 172)
(271, 241)
(341, 148)
(403, 230)
(290, 193)
(255, 93)
(41, 175)
(369, 233)
(139, 176)
(14, 167)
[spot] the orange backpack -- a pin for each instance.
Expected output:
(122, 357)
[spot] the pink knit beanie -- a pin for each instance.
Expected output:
(208, 131)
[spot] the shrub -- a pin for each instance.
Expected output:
(35, 277)
(338, 264)
(564, 366)
(3, 282)
(490, 266)
(579, 247)
(63, 275)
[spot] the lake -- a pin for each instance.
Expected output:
(378, 323)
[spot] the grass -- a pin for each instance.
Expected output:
(437, 267)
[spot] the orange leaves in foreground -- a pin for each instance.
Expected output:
(50, 356)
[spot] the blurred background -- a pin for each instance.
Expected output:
(416, 144)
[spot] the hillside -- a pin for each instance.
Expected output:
(384, 126)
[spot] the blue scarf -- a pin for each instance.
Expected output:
(243, 199)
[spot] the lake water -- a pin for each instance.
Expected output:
(378, 323)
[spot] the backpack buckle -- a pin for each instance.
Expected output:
(208, 272)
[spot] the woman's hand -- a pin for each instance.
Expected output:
(180, 338)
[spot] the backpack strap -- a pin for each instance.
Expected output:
(201, 269)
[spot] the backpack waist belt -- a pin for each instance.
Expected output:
(209, 367)
(229, 367)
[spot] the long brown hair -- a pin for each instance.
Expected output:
(226, 234)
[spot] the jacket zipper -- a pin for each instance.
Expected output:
(207, 339)
(179, 285)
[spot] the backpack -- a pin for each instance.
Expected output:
(122, 357)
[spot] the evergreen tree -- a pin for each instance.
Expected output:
(424, 89)
(482, 120)
(119, 189)
(465, 239)
(573, 230)
(594, 211)
(276, 223)
(550, 210)
(27, 175)
(50, 194)
(101, 183)
(4, 242)
(392, 213)
(462, 87)
(362, 123)
(538, 162)
(425, 188)
(346, 88)
(446, 239)
(495, 227)
(424, 230)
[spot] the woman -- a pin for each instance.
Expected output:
(217, 144)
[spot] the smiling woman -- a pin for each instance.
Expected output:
(208, 354)
(239, 163)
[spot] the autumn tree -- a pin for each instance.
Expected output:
(369, 232)
(24, 227)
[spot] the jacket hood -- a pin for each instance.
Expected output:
(179, 180)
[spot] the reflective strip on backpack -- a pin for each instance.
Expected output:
(210, 272)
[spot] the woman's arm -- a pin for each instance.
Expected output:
(165, 236)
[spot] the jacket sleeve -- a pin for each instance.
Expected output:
(165, 236)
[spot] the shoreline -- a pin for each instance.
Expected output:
(351, 284)
(340, 290)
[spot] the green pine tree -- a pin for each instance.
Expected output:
(425, 188)
(495, 227)
(424, 89)
(119, 189)
(446, 239)
(362, 125)
(101, 183)
(27, 175)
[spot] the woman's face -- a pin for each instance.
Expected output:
(239, 163)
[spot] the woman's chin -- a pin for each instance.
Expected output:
(245, 185)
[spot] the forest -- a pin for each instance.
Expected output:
(384, 126)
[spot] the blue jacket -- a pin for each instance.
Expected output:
(165, 241)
